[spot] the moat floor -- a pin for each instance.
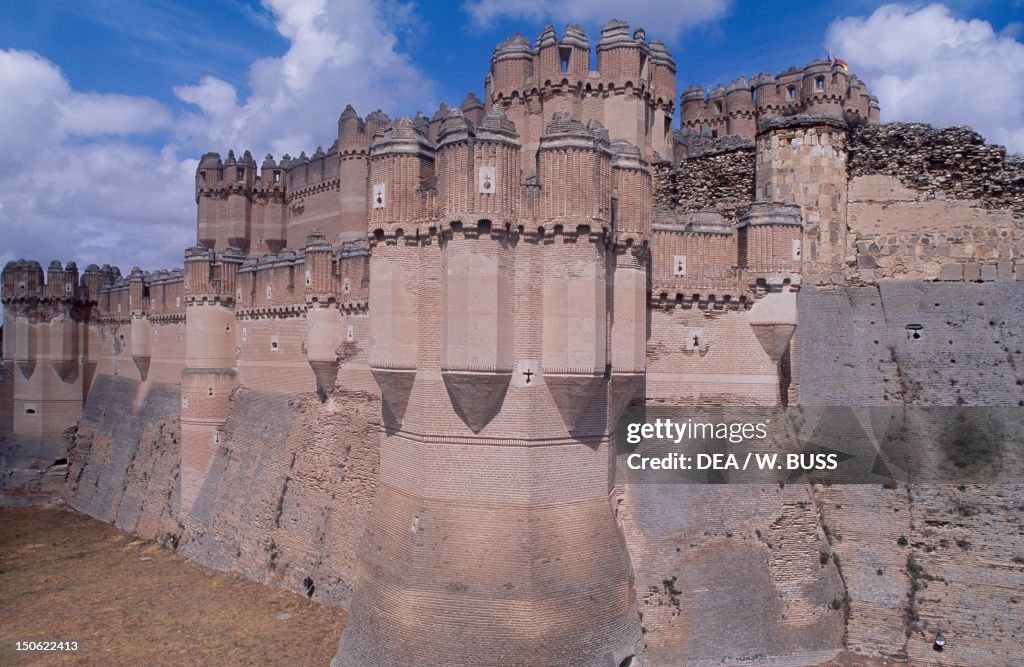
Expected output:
(64, 576)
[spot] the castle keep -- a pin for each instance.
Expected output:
(394, 367)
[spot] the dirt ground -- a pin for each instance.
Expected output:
(64, 576)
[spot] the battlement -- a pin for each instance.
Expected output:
(701, 258)
(623, 61)
(473, 174)
(633, 82)
(156, 294)
(24, 281)
(823, 87)
(282, 281)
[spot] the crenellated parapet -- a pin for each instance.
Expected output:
(823, 87)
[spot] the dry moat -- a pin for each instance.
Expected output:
(130, 602)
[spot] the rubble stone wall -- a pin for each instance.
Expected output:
(933, 203)
(721, 179)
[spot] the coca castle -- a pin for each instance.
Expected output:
(394, 367)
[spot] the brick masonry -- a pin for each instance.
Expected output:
(393, 367)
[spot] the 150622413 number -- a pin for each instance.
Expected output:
(59, 645)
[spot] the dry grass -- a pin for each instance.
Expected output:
(66, 576)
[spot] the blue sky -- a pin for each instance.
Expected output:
(107, 104)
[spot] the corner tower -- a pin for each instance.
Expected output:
(491, 306)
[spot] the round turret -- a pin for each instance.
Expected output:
(663, 73)
(692, 104)
(270, 173)
(456, 127)
(574, 53)
(857, 99)
(209, 172)
(766, 94)
(739, 103)
(546, 62)
(622, 58)
(511, 66)
(577, 158)
(824, 87)
(632, 181)
(401, 170)
(473, 108)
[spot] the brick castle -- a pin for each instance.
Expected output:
(395, 366)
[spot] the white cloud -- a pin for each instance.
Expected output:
(75, 184)
(339, 53)
(92, 114)
(926, 65)
(664, 17)
(107, 178)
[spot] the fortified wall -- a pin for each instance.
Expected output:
(389, 366)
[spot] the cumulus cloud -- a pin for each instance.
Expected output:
(106, 178)
(927, 65)
(670, 17)
(339, 53)
(75, 182)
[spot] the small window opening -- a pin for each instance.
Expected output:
(819, 84)
(791, 93)
(209, 391)
(714, 134)
(241, 173)
(277, 176)
(564, 55)
(30, 411)
(60, 462)
(914, 331)
(310, 587)
(718, 107)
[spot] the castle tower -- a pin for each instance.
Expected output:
(624, 61)
(802, 160)
(209, 204)
(490, 338)
(766, 95)
(43, 329)
(269, 217)
(825, 88)
(692, 108)
(210, 363)
(739, 103)
(632, 92)
(631, 206)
